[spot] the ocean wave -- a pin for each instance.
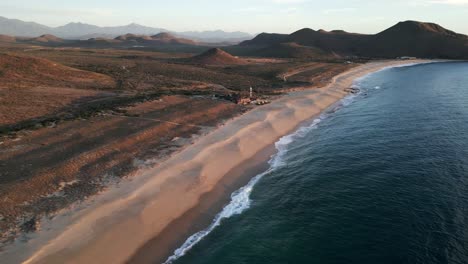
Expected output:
(359, 80)
(240, 199)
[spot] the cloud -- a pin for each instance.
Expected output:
(289, 1)
(272, 7)
(338, 10)
(57, 12)
(290, 10)
(449, 2)
(252, 9)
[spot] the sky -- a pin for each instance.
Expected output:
(252, 16)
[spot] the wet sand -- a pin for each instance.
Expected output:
(145, 219)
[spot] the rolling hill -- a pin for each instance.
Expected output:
(19, 71)
(6, 38)
(166, 38)
(418, 39)
(409, 38)
(216, 57)
(47, 38)
(293, 50)
(15, 27)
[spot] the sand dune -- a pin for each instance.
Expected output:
(121, 221)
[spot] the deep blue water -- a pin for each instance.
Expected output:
(381, 180)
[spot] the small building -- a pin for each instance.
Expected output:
(406, 58)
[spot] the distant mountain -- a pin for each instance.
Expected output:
(266, 39)
(409, 38)
(216, 36)
(76, 30)
(14, 27)
(328, 41)
(158, 39)
(134, 37)
(96, 35)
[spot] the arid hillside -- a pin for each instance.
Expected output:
(32, 87)
(409, 38)
(167, 38)
(47, 39)
(294, 50)
(18, 71)
(417, 39)
(216, 57)
(6, 38)
(73, 118)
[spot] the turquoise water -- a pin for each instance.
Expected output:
(383, 178)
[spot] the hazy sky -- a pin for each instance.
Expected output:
(254, 16)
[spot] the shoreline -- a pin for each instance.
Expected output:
(201, 216)
(117, 227)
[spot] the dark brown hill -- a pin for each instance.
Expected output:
(409, 38)
(320, 42)
(163, 35)
(418, 39)
(293, 50)
(47, 39)
(216, 57)
(167, 38)
(133, 37)
(408, 28)
(265, 39)
(340, 42)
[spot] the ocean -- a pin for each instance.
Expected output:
(381, 177)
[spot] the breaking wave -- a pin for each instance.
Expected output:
(240, 199)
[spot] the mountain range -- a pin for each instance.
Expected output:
(408, 38)
(15, 27)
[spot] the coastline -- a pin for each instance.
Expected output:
(190, 186)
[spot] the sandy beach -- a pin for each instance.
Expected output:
(146, 219)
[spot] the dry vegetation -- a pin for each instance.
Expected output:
(25, 72)
(73, 119)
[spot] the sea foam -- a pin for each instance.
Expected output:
(240, 199)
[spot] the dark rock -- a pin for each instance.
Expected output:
(29, 225)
